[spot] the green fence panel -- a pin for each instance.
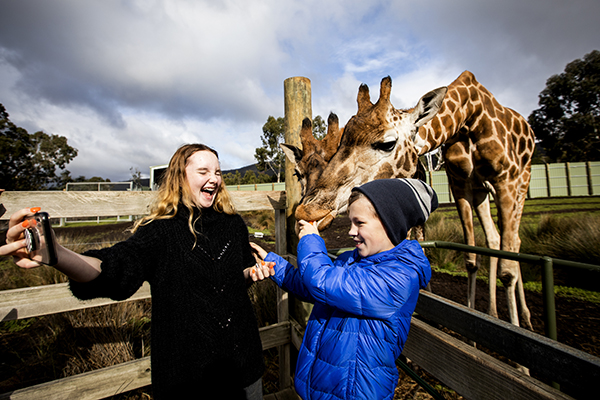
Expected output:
(538, 186)
(439, 183)
(595, 177)
(557, 177)
(259, 186)
(579, 181)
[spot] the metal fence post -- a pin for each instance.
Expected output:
(548, 295)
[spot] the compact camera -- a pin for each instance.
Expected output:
(41, 244)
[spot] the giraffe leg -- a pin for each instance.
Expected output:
(509, 215)
(418, 233)
(492, 239)
(525, 314)
(510, 282)
(465, 213)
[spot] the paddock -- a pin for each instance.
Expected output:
(469, 371)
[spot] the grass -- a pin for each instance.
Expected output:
(565, 228)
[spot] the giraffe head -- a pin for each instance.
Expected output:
(378, 143)
(310, 160)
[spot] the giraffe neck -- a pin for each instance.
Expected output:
(463, 103)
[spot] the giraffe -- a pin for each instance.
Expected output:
(486, 147)
(310, 160)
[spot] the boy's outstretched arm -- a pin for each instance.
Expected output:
(283, 273)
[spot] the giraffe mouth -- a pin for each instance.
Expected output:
(322, 217)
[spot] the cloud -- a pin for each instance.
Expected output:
(127, 82)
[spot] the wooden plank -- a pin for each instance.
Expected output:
(286, 394)
(51, 299)
(61, 204)
(297, 334)
(123, 377)
(470, 372)
(90, 385)
(548, 358)
(275, 335)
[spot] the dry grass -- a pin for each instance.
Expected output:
(575, 238)
(41, 349)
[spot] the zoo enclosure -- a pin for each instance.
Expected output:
(461, 367)
(465, 369)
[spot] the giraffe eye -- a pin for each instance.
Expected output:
(385, 146)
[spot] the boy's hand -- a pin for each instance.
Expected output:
(262, 270)
(307, 228)
(258, 251)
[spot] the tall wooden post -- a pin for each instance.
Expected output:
(298, 105)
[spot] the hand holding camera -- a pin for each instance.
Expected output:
(30, 239)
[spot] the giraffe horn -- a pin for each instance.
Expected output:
(363, 99)
(385, 90)
(331, 140)
(309, 143)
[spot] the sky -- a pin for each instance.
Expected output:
(129, 81)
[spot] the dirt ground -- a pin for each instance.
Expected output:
(578, 322)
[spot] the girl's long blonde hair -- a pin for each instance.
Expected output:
(174, 190)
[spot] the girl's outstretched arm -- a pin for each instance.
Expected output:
(76, 266)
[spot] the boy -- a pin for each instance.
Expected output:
(365, 299)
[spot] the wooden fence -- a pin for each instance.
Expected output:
(465, 369)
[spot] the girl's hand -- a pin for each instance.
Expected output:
(307, 228)
(15, 239)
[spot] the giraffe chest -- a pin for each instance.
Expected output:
(487, 158)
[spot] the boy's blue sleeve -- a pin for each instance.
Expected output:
(287, 277)
(374, 292)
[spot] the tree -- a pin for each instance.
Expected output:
(29, 161)
(270, 156)
(568, 120)
(232, 179)
(319, 127)
(136, 178)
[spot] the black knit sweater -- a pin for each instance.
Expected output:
(204, 332)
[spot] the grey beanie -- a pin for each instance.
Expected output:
(400, 204)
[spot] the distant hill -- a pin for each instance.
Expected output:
(251, 167)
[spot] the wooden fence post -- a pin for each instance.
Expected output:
(297, 105)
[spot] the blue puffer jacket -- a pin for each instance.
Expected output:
(360, 319)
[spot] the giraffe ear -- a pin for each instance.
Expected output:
(428, 106)
(293, 153)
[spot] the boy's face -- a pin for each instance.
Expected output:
(366, 229)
